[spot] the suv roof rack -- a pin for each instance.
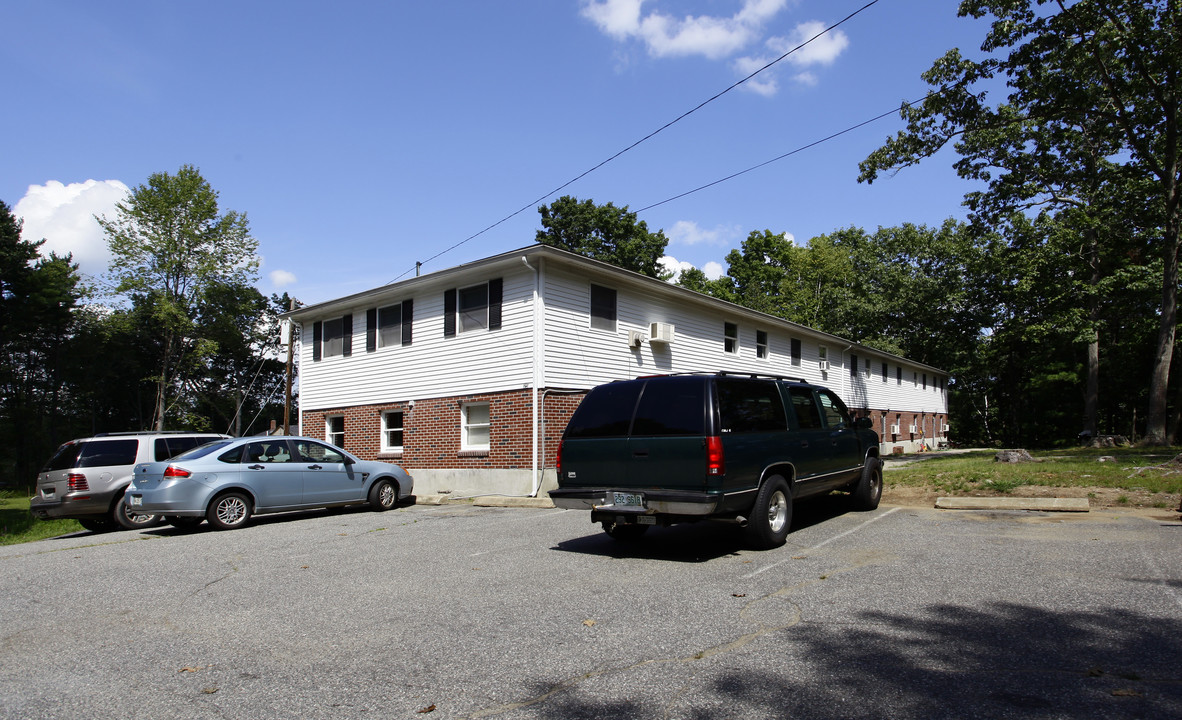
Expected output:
(730, 373)
(153, 432)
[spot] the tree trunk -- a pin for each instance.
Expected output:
(1155, 427)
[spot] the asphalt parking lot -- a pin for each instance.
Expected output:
(469, 612)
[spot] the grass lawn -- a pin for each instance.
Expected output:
(17, 525)
(1135, 477)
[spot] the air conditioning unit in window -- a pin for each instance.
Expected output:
(660, 332)
(824, 365)
(635, 338)
(911, 429)
(894, 429)
(944, 427)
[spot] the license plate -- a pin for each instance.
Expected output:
(48, 493)
(137, 501)
(620, 499)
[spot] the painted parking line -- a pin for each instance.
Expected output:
(823, 543)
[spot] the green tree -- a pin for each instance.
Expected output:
(171, 247)
(1091, 124)
(37, 299)
(602, 232)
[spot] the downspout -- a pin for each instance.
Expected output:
(844, 373)
(537, 371)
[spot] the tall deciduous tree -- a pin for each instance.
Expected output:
(1091, 125)
(602, 232)
(171, 246)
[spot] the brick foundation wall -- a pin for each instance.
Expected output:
(432, 430)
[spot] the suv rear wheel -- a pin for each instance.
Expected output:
(771, 516)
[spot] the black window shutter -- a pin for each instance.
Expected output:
(348, 323)
(494, 304)
(449, 313)
(317, 334)
(371, 330)
(408, 311)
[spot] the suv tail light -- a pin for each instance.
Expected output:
(176, 472)
(558, 460)
(77, 482)
(715, 460)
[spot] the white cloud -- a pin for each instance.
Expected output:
(64, 216)
(671, 264)
(712, 270)
(687, 232)
(281, 278)
(665, 35)
(823, 50)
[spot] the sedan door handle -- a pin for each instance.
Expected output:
(256, 467)
(315, 467)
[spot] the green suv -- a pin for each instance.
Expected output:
(680, 448)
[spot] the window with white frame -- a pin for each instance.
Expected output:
(392, 430)
(761, 344)
(475, 427)
(472, 304)
(823, 356)
(730, 338)
(334, 430)
(603, 308)
(390, 325)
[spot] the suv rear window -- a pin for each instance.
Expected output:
(672, 406)
(605, 412)
(100, 453)
(169, 447)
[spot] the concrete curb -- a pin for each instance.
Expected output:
(1014, 503)
(486, 501)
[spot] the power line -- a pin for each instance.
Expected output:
(652, 134)
(790, 153)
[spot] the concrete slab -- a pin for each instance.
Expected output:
(485, 501)
(1014, 503)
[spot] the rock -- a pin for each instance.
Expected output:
(1013, 456)
(1106, 458)
(1107, 441)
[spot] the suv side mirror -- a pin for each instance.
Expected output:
(863, 423)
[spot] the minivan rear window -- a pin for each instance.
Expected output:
(671, 407)
(101, 453)
(605, 412)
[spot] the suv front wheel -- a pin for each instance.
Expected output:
(771, 516)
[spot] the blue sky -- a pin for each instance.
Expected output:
(360, 137)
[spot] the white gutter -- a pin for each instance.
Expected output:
(537, 371)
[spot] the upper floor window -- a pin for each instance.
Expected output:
(603, 308)
(761, 344)
(796, 351)
(476, 307)
(853, 365)
(332, 337)
(730, 333)
(884, 372)
(389, 326)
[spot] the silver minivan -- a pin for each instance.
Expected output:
(85, 479)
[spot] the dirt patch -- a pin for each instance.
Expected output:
(1154, 504)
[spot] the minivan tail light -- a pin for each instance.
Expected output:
(77, 482)
(715, 460)
(176, 472)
